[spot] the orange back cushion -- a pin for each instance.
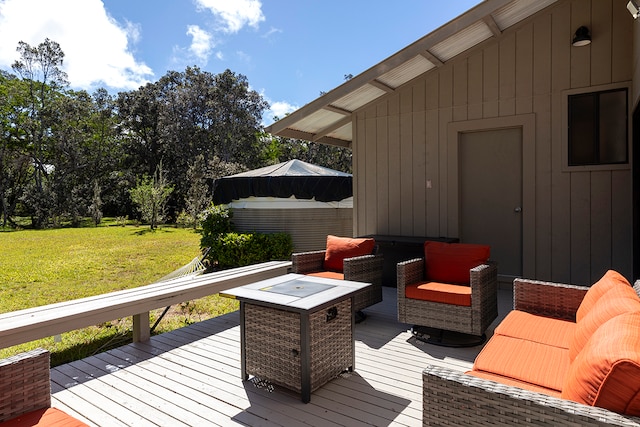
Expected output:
(339, 248)
(606, 373)
(451, 262)
(540, 329)
(618, 300)
(610, 279)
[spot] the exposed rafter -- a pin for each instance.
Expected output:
(338, 110)
(491, 23)
(337, 125)
(381, 86)
(432, 58)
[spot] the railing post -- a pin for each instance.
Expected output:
(141, 330)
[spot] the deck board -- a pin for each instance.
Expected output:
(191, 377)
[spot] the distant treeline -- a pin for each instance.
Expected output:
(67, 154)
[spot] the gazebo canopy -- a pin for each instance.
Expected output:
(293, 178)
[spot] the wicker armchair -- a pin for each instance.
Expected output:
(472, 320)
(25, 392)
(451, 397)
(365, 268)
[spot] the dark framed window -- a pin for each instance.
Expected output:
(598, 128)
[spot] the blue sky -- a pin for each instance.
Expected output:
(289, 50)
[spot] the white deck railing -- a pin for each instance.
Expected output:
(27, 325)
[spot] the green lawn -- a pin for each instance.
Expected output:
(40, 267)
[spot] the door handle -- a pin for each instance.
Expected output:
(518, 209)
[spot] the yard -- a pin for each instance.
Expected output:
(41, 267)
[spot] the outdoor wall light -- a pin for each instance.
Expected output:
(582, 37)
(634, 8)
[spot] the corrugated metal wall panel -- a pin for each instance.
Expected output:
(308, 227)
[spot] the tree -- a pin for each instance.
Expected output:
(238, 111)
(95, 209)
(71, 151)
(139, 119)
(14, 163)
(54, 143)
(150, 195)
(187, 114)
(198, 196)
(40, 68)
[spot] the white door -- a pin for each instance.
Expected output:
(491, 195)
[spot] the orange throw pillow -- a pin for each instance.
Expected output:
(609, 280)
(618, 300)
(339, 248)
(606, 373)
(451, 262)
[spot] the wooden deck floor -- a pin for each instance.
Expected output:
(191, 377)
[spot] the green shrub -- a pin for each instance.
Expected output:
(236, 249)
(216, 220)
(229, 249)
(185, 220)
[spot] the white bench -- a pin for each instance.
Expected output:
(27, 325)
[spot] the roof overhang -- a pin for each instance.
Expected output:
(328, 119)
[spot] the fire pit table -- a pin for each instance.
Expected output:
(296, 331)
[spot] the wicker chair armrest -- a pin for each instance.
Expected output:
(484, 280)
(24, 383)
(307, 262)
(365, 268)
(451, 397)
(557, 300)
(408, 272)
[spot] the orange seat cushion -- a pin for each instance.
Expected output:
(618, 300)
(609, 280)
(606, 373)
(339, 248)
(514, 383)
(444, 293)
(451, 262)
(523, 360)
(328, 275)
(50, 417)
(543, 330)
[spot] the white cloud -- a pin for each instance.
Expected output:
(201, 43)
(97, 50)
(271, 31)
(243, 56)
(134, 32)
(198, 52)
(234, 15)
(279, 109)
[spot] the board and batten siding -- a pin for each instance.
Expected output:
(578, 221)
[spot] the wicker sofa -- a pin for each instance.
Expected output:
(25, 393)
(565, 355)
(345, 259)
(453, 288)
